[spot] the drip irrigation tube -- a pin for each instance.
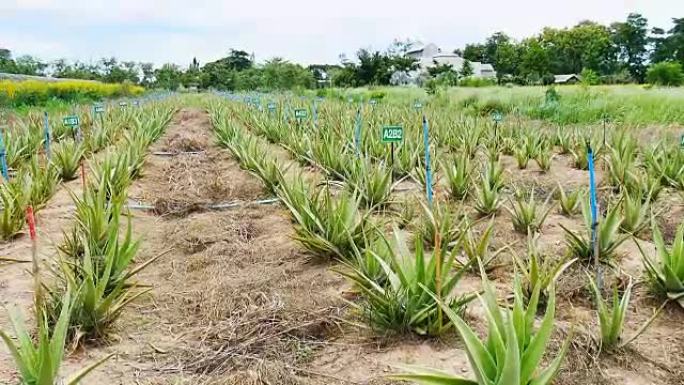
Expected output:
(212, 206)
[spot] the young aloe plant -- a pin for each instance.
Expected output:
(543, 158)
(406, 303)
(612, 316)
(569, 201)
(634, 213)
(66, 156)
(373, 182)
(39, 362)
(476, 247)
(458, 174)
(667, 272)
(14, 197)
(514, 349)
(521, 157)
(487, 198)
(528, 215)
(539, 270)
(437, 218)
(608, 236)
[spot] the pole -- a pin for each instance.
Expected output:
(392, 159)
(3, 158)
(594, 215)
(37, 286)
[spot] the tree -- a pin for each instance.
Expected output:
(476, 52)
(238, 60)
(147, 70)
(665, 74)
(467, 69)
(169, 76)
(631, 39)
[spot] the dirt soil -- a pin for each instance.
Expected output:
(236, 301)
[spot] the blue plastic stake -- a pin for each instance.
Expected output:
(594, 214)
(46, 125)
(357, 132)
(3, 158)
(428, 171)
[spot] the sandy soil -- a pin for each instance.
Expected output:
(236, 301)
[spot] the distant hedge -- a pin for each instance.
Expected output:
(33, 92)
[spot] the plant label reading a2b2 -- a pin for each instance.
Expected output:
(70, 121)
(300, 113)
(392, 134)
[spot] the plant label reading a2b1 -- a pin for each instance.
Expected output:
(70, 121)
(300, 113)
(391, 134)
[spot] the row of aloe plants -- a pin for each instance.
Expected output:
(37, 176)
(92, 279)
(400, 295)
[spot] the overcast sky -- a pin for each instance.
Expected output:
(304, 31)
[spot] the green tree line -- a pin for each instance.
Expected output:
(623, 52)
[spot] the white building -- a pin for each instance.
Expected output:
(430, 54)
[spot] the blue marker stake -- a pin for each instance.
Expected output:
(594, 212)
(3, 158)
(357, 132)
(428, 171)
(46, 125)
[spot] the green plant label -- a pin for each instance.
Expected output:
(497, 116)
(417, 105)
(350, 100)
(71, 120)
(681, 141)
(136, 103)
(271, 106)
(392, 134)
(300, 113)
(373, 102)
(98, 108)
(123, 104)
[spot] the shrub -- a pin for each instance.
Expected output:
(665, 74)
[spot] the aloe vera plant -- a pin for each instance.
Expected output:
(67, 156)
(458, 173)
(608, 236)
(38, 361)
(373, 182)
(437, 218)
(569, 202)
(634, 213)
(476, 246)
(539, 270)
(528, 215)
(667, 270)
(521, 157)
(15, 198)
(405, 302)
(612, 315)
(325, 225)
(514, 348)
(487, 198)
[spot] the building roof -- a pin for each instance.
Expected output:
(565, 78)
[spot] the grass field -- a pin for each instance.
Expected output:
(631, 105)
(276, 239)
